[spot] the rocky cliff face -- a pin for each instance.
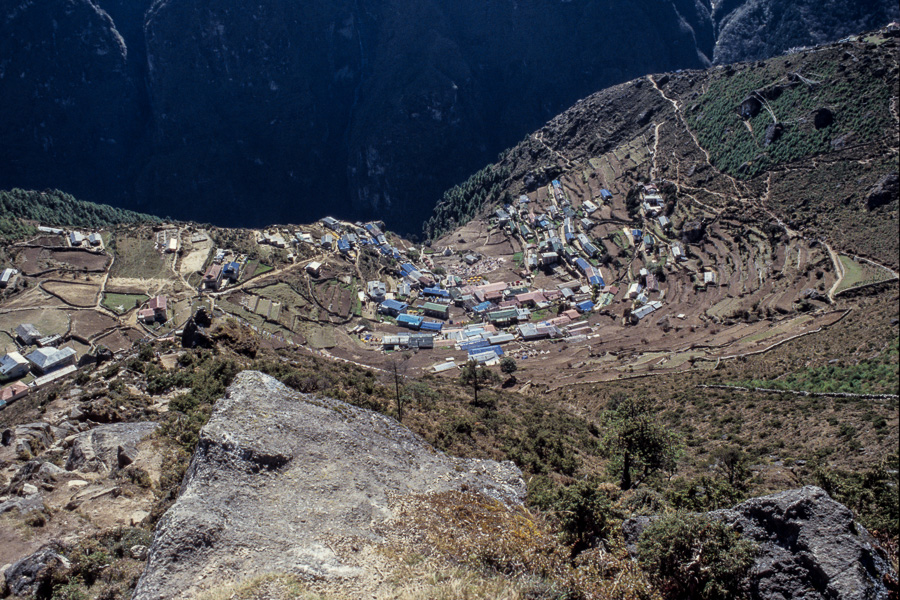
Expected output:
(200, 108)
(290, 483)
(810, 548)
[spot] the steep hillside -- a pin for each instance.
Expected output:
(808, 140)
(201, 109)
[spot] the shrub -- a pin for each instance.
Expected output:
(695, 557)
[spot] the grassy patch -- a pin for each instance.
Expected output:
(137, 257)
(859, 273)
(122, 303)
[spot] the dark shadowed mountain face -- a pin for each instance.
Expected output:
(283, 111)
(758, 29)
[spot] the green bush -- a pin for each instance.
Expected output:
(695, 557)
(583, 509)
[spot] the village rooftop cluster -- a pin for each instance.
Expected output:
(434, 308)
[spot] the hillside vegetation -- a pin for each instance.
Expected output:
(56, 208)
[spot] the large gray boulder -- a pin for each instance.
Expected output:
(97, 450)
(810, 548)
(33, 574)
(280, 479)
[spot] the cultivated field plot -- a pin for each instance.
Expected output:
(318, 336)
(335, 297)
(50, 321)
(49, 241)
(122, 303)
(859, 272)
(137, 257)
(119, 339)
(32, 261)
(237, 305)
(88, 324)
(254, 268)
(293, 305)
(32, 297)
(83, 295)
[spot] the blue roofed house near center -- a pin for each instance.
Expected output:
(605, 194)
(392, 307)
(231, 271)
(410, 321)
(585, 306)
(431, 326)
(437, 292)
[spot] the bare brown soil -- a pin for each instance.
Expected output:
(89, 323)
(76, 294)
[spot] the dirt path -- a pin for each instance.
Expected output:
(677, 108)
(539, 137)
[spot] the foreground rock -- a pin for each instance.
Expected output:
(106, 447)
(279, 479)
(810, 548)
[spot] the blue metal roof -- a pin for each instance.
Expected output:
(431, 326)
(596, 280)
(483, 306)
(556, 183)
(411, 321)
(606, 193)
(582, 264)
(474, 345)
(585, 306)
(394, 305)
(495, 349)
(429, 291)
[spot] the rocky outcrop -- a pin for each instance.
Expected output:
(810, 548)
(102, 448)
(33, 575)
(884, 191)
(279, 479)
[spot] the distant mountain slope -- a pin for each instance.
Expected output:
(757, 29)
(815, 149)
(277, 111)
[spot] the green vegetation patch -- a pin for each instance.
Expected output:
(790, 94)
(461, 203)
(122, 303)
(858, 273)
(53, 207)
(877, 375)
(12, 229)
